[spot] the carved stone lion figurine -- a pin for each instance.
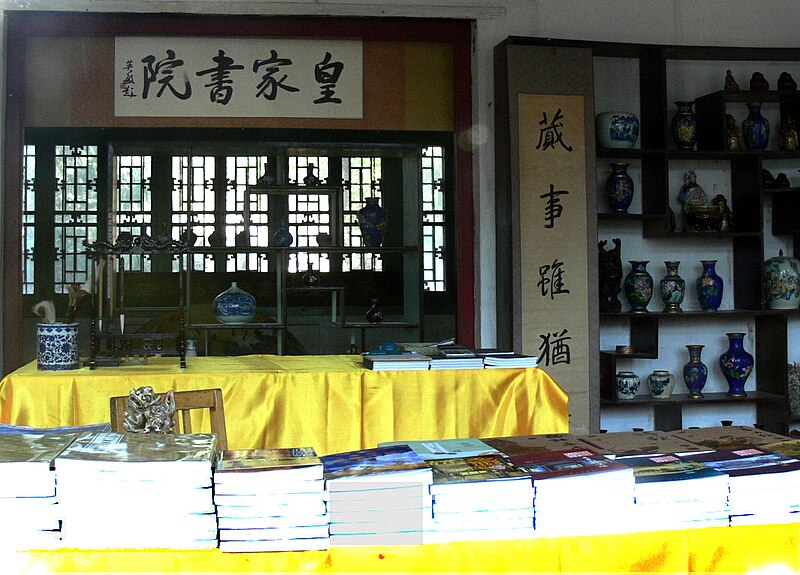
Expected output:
(148, 412)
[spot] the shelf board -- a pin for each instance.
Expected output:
(234, 250)
(250, 325)
(318, 289)
(627, 153)
(628, 217)
(715, 235)
(383, 324)
(685, 399)
(691, 314)
(780, 190)
(633, 355)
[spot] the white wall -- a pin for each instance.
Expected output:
(698, 22)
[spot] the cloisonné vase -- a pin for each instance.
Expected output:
(638, 286)
(57, 346)
(755, 129)
(695, 372)
(736, 364)
(709, 287)
(372, 221)
(619, 188)
(234, 306)
(684, 126)
(672, 288)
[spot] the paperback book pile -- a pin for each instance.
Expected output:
(446, 448)
(579, 492)
(728, 437)
(518, 444)
(137, 491)
(400, 361)
(29, 516)
(764, 486)
(630, 443)
(507, 359)
(484, 497)
(674, 493)
(378, 496)
(457, 363)
(270, 500)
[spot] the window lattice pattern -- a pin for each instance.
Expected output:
(309, 214)
(242, 171)
(28, 219)
(75, 212)
(434, 223)
(361, 179)
(134, 203)
(193, 203)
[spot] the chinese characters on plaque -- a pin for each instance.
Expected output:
(553, 234)
(238, 77)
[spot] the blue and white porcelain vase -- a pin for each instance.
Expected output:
(283, 238)
(782, 282)
(660, 383)
(57, 346)
(736, 364)
(672, 288)
(695, 372)
(616, 129)
(234, 306)
(372, 221)
(684, 126)
(709, 287)
(619, 188)
(638, 286)
(627, 384)
(755, 129)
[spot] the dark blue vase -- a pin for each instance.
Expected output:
(709, 287)
(372, 220)
(283, 238)
(755, 129)
(619, 188)
(695, 372)
(684, 126)
(639, 286)
(736, 364)
(234, 306)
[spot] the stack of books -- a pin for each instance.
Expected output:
(637, 443)
(446, 448)
(400, 361)
(29, 517)
(484, 497)
(727, 437)
(518, 444)
(674, 493)
(453, 356)
(506, 359)
(378, 496)
(270, 500)
(764, 485)
(578, 492)
(137, 491)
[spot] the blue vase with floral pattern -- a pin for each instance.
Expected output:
(695, 372)
(639, 286)
(709, 287)
(736, 364)
(619, 188)
(234, 306)
(372, 221)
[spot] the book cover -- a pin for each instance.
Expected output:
(248, 460)
(516, 444)
(567, 463)
(367, 464)
(668, 467)
(446, 448)
(481, 468)
(788, 447)
(33, 447)
(396, 361)
(728, 437)
(631, 443)
(747, 461)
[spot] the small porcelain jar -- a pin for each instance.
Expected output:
(627, 384)
(661, 383)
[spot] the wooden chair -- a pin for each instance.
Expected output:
(185, 401)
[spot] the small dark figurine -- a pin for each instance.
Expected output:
(733, 134)
(767, 179)
(782, 181)
(758, 82)
(730, 84)
(726, 224)
(786, 82)
(610, 270)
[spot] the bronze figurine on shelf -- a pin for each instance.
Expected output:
(726, 223)
(610, 270)
(786, 82)
(733, 134)
(758, 82)
(730, 84)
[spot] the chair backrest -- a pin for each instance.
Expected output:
(185, 401)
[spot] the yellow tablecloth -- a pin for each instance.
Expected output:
(759, 550)
(327, 402)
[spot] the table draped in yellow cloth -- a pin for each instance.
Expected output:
(327, 402)
(758, 550)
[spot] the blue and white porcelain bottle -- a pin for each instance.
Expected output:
(234, 306)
